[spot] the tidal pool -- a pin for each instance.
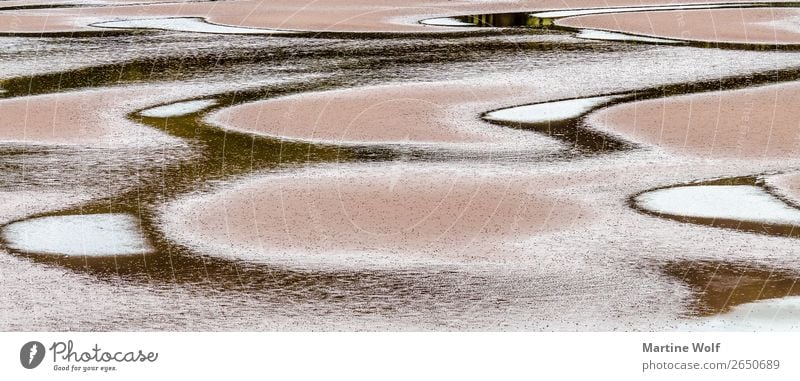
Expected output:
(602, 35)
(735, 287)
(93, 235)
(178, 108)
(556, 111)
(781, 314)
(185, 24)
(537, 268)
(746, 203)
(765, 25)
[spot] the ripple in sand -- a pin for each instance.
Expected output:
(549, 111)
(178, 109)
(731, 202)
(185, 24)
(90, 235)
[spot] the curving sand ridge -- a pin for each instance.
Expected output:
(361, 213)
(748, 26)
(88, 117)
(428, 113)
(756, 122)
(786, 185)
(306, 15)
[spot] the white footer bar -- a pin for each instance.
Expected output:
(399, 356)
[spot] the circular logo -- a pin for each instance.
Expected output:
(31, 354)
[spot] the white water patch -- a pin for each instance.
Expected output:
(782, 314)
(90, 234)
(178, 109)
(735, 202)
(548, 111)
(595, 34)
(595, 11)
(185, 24)
(446, 21)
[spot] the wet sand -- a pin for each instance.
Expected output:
(332, 15)
(418, 114)
(67, 118)
(330, 217)
(87, 118)
(786, 185)
(779, 314)
(523, 243)
(757, 123)
(361, 215)
(746, 26)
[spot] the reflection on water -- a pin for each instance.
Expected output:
(495, 20)
(219, 156)
(506, 20)
(585, 140)
(185, 24)
(91, 235)
(562, 120)
(178, 108)
(718, 286)
(548, 20)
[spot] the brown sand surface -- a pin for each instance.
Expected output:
(307, 15)
(395, 214)
(91, 117)
(25, 3)
(759, 122)
(749, 26)
(406, 211)
(426, 113)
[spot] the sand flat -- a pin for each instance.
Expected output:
(748, 26)
(756, 122)
(329, 15)
(427, 113)
(364, 212)
(87, 117)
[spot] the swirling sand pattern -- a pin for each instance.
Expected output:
(353, 174)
